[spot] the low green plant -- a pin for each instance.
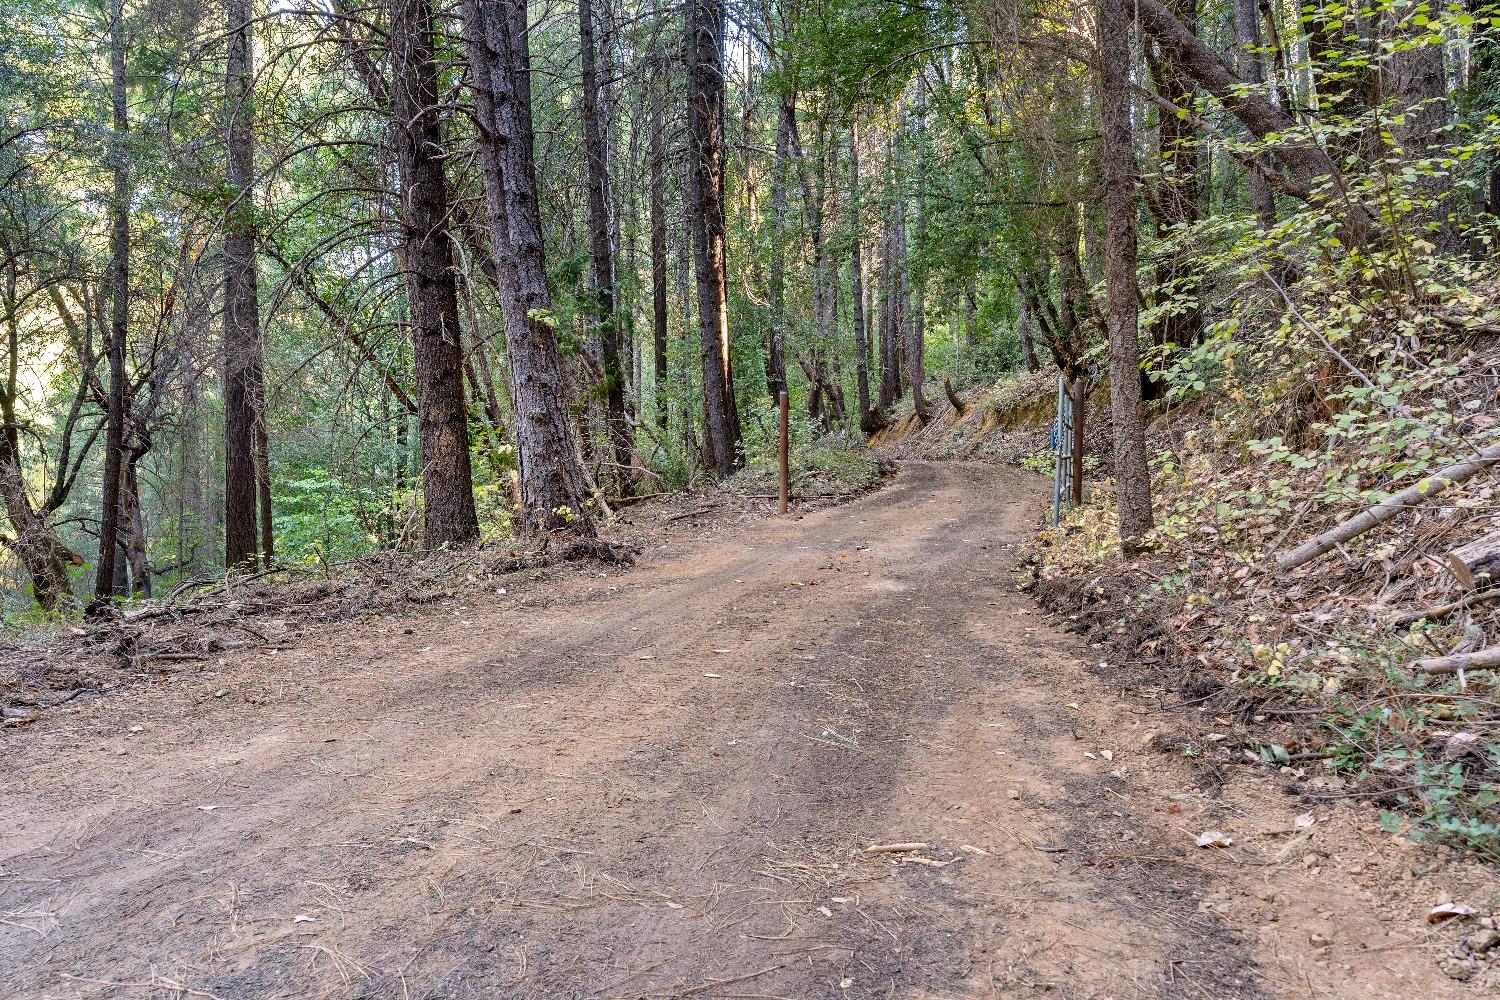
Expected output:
(1451, 807)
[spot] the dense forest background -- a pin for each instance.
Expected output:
(293, 282)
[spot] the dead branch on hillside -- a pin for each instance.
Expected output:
(1443, 610)
(1418, 493)
(1484, 659)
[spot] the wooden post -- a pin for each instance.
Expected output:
(785, 471)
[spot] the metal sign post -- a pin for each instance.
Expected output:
(1062, 447)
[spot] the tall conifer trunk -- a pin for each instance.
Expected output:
(1247, 36)
(119, 311)
(553, 497)
(1132, 476)
(776, 336)
(705, 127)
(857, 288)
(241, 358)
(658, 212)
(448, 511)
(602, 247)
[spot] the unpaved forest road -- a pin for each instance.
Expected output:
(659, 784)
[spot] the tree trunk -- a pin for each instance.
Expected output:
(1414, 76)
(448, 515)
(1476, 563)
(915, 291)
(1176, 207)
(35, 544)
(914, 302)
(705, 128)
(954, 399)
(1132, 476)
(134, 525)
(1028, 337)
(824, 275)
(658, 211)
(916, 360)
(1417, 494)
(552, 490)
(857, 285)
(1247, 36)
(119, 310)
(262, 460)
(891, 269)
(970, 317)
(602, 249)
(685, 286)
(241, 363)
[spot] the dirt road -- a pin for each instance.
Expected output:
(660, 783)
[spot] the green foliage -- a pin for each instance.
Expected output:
(321, 519)
(1043, 462)
(862, 51)
(829, 465)
(1451, 807)
(834, 469)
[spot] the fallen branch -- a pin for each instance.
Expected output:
(1484, 659)
(1467, 325)
(918, 859)
(1476, 561)
(1443, 610)
(896, 848)
(1424, 489)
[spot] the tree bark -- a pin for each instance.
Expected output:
(1028, 337)
(602, 249)
(1414, 495)
(705, 127)
(658, 212)
(262, 460)
(970, 318)
(1483, 659)
(1132, 475)
(857, 285)
(1175, 205)
(241, 361)
(914, 292)
(448, 514)
(552, 491)
(35, 544)
(119, 310)
(1415, 77)
(1252, 61)
(892, 266)
(954, 399)
(133, 521)
(824, 276)
(1477, 562)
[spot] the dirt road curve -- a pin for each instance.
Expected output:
(660, 784)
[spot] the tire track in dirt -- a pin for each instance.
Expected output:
(657, 783)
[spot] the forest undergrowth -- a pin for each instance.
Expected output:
(1294, 414)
